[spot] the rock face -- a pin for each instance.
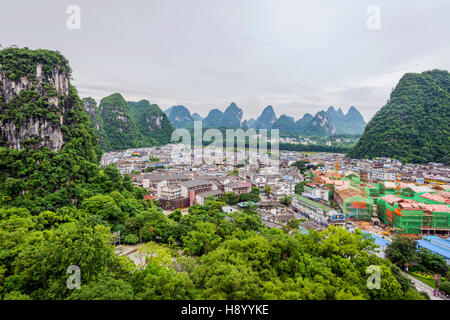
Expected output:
(250, 123)
(330, 122)
(320, 125)
(90, 106)
(96, 122)
(11, 88)
(45, 133)
(34, 106)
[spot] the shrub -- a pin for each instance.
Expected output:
(445, 286)
(131, 239)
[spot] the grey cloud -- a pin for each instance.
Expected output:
(299, 56)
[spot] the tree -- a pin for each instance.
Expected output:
(104, 206)
(104, 288)
(267, 190)
(445, 286)
(300, 187)
(229, 198)
(175, 215)
(402, 251)
(14, 295)
(286, 201)
(218, 278)
(202, 239)
(252, 196)
(382, 188)
(160, 283)
(42, 263)
(151, 252)
(131, 239)
(432, 261)
(293, 224)
(301, 165)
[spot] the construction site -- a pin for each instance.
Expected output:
(407, 215)
(388, 207)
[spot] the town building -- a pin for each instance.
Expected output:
(317, 211)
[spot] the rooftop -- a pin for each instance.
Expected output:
(313, 203)
(194, 183)
(434, 248)
(210, 193)
(378, 240)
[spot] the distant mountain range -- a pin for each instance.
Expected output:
(330, 122)
(121, 124)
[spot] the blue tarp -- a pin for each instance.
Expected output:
(438, 241)
(434, 248)
(378, 240)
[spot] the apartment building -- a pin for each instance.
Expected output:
(189, 189)
(238, 187)
(316, 211)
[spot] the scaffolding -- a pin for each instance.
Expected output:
(410, 216)
(358, 207)
(408, 221)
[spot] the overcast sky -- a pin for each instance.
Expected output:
(299, 56)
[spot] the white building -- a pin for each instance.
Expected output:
(316, 211)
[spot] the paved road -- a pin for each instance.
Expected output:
(422, 287)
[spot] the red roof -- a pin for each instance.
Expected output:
(390, 198)
(433, 197)
(149, 197)
(438, 207)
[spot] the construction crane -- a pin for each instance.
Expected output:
(337, 169)
(397, 188)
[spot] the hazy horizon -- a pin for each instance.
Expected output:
(298, 57)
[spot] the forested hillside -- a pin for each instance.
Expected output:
(151, 121)
(413, 126)
(119, 125)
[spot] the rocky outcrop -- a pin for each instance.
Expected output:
(154, 122)
(9, 88)
(39, 131)
(320, 125)
(90, 106)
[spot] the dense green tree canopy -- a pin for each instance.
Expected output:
(413, 125)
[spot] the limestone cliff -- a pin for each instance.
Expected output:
(34, 100)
